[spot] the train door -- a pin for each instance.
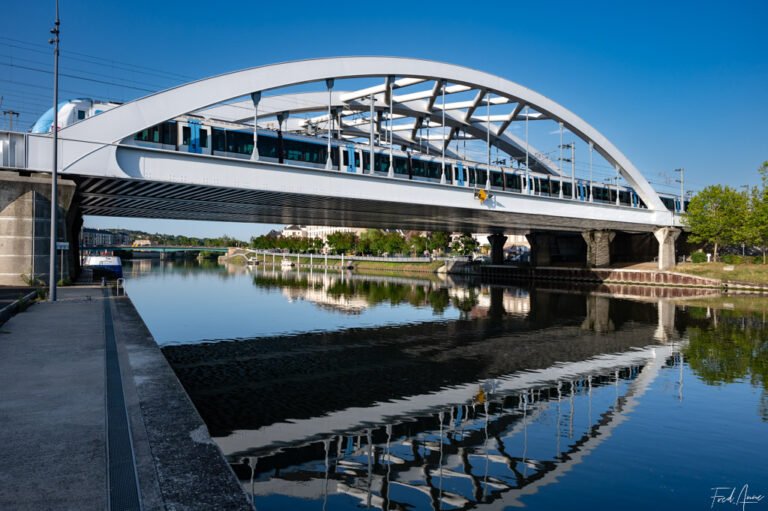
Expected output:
(195, 138)
(351, 167)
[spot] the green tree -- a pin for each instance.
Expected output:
(439, 241)
(465, 245)
(757, 220)
(342, 242)
(394, 243)
(370, 242)
(717, 215)
(418, 244)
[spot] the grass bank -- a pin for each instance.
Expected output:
(380, 266)
(361, 266)
(752, 273)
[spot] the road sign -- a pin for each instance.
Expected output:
(62, 245)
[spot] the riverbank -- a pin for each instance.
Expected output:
(756, 274)
(94, 417)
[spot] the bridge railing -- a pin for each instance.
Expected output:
(13, 149)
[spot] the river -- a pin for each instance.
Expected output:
(336, 391)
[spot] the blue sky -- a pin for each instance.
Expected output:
(670, 83)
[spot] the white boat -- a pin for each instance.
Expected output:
(287, 264)
(110, 267)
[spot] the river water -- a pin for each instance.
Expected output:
(330, 391)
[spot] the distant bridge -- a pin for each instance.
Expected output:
(155, 248)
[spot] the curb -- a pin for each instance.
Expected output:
(11, 309)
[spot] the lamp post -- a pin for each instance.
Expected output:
(54, 185)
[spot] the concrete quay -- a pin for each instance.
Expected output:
(93, 417)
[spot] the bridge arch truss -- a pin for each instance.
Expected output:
(408, 98)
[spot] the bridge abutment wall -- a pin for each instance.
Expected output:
(25, 233)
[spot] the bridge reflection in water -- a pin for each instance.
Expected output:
(476, 412)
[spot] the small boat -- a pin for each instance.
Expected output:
(110, 267)
(287, 264)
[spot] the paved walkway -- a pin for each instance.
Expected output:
(54, 449)
(52, 427)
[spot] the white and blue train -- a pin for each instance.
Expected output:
(194, 134)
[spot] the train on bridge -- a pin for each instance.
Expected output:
(213, 137)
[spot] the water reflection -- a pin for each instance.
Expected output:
(727, 346)
(528, 397)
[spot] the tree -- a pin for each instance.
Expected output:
(438, 241)
(342, 242)
(717, 215)
(757, 220)
(370, 242)
(465, 245)
(394, 243)
(418, 244)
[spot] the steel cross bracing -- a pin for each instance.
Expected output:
(419, 110)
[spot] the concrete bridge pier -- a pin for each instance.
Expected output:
(497, 248)
(541, 253)
(598, 247)
(666, 236)
(25, 216)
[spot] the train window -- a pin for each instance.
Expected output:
(80, 115)
(401, 165)
(168, 133)
(496, 179)
(268, 147)
(346, 158)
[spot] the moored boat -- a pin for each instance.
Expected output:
(110, 267)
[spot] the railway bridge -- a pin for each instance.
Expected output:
(352, 141)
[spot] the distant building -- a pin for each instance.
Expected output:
(141, 243)
(293, 231)
(102, 237)
(514, 241)
(315, 231)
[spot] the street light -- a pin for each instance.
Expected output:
(54, 185)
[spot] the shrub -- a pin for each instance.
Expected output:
(698, 257)
(732, 259)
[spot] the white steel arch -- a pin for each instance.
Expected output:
(114, 125)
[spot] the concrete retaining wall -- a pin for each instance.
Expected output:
(641, 277)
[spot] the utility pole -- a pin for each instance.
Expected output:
(54, 185)
(682, 188)
(11, 114)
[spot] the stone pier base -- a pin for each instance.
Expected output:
(25, 216)
(598, 248)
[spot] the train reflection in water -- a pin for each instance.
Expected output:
(475, 412)
(497, 444)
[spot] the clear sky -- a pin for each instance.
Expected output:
(672, 84)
